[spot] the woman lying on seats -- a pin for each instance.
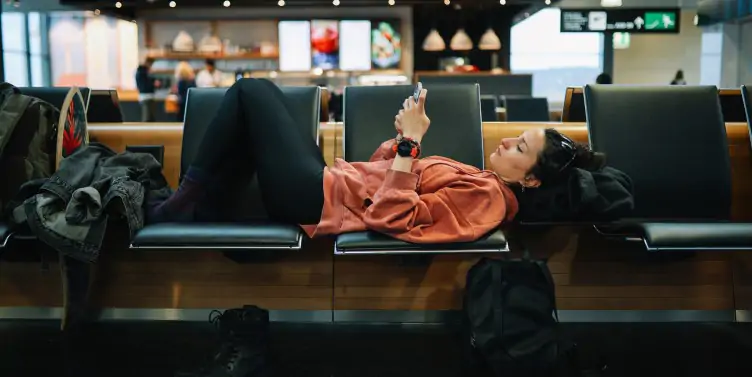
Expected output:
(428, 200)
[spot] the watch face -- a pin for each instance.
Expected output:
(404, 148)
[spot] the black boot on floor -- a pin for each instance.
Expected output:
(243, 351)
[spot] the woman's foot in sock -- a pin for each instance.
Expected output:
(181, 205)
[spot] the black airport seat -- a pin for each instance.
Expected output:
(55, 95)
(488, 105)
(4, 235)
(747, 108)
(732, 105)
(456, 133)
(104, 107)
(574, 105)
(671, 140)
(257, 234)
(526, 109)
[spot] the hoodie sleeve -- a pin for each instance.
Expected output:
(384, 151)
(462, 211)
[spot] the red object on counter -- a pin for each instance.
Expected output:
(465, 68)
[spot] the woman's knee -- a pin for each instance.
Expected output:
(249, 85)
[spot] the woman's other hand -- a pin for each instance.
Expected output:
(412, 119)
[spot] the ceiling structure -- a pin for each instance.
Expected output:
(129, 8)
(293, 3)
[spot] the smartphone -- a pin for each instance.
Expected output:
(418, 89)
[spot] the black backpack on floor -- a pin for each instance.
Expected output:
(510, 321)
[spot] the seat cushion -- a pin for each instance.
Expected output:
(238, 236)
(376, 243)
(4, 234)
(688, 236)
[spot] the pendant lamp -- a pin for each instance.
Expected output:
(434, 42)
(489, 41)
(461, 41)
(610, 3)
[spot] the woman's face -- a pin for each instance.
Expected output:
(514, 157)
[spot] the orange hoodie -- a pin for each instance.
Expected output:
(440, 201)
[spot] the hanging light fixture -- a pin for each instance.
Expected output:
(610, 3)
(434, 41)
(489, 41)
(461, 41)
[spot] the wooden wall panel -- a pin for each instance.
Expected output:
(590, 272)
(120, 135)
(174, 279)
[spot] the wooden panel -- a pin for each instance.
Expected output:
(590, 272)
(120, 135)
(175, 279)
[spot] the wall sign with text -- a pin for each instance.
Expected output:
(664, 21)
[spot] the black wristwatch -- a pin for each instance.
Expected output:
(406, 147)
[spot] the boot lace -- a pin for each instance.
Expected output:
(228, 352)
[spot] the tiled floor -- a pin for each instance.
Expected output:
(159, 348)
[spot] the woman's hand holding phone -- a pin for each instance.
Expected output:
(412, 120)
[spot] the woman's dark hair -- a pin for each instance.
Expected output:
(679, 75)
(560, 155)
(604, 78)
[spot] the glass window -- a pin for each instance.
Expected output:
(16, 71)
(14, 35)
(35, 33)
(37, 71)
(556, 60)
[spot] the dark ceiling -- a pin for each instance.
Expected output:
(129, 8)
(293, 3)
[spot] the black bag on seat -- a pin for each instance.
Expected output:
(510, 321)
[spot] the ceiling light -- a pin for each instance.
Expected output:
(610, 3)
(281, 3)
(336, 3)
(227, 3)
(503, 2)
(461, 41)
(489, 41)
(548, 2)
(391, 2)
(97, 12)
(173, 4)
(118, 5)
(447, 2)
(434, 41)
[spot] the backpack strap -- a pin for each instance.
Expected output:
(498, 291)
(7, 89)
(550, 281)
(11, 111)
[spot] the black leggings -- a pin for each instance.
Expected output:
(255, 116)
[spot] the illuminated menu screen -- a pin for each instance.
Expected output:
(355, 45)
(324, 44)
(386, 44)
(294, 45)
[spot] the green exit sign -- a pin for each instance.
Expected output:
(659, 21)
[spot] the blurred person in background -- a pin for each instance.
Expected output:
(604, 79)
(679, 78)
(210, 76)
(147, 85)
(185, 78)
